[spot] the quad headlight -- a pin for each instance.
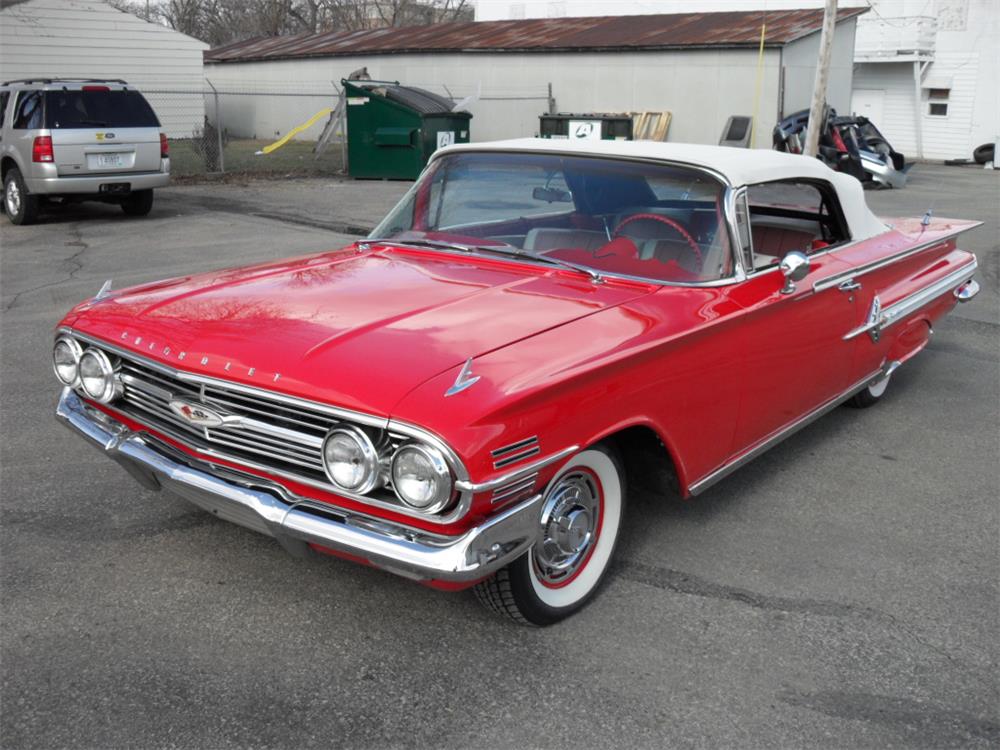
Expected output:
(350, 459)
(421, 477)
(97, 376)
(66, 361)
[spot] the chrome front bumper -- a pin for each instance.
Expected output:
(295, 522)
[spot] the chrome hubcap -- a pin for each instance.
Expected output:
(13, 198)
(568, 527)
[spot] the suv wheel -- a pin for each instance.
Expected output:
(20, 206)
(138, 203)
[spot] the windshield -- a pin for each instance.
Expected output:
(613, 216)
(98, 108)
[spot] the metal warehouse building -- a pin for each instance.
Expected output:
(90, 39)
(702, 67)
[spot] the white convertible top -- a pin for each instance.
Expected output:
(738, 166)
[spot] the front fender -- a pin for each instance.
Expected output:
(662, 362)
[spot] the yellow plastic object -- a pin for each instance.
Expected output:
(295, 131)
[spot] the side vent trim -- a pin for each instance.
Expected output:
(511, 454)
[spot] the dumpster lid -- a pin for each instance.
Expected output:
(419, 100)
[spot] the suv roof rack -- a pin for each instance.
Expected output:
(66, 80)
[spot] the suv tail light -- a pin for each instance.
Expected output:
(41, 148)
(164, 146)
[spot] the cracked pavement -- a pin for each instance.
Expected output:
(840, 591)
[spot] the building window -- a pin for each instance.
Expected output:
(937, 102)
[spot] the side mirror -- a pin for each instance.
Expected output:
(794, 267)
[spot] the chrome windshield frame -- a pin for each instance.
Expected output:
(728, 222)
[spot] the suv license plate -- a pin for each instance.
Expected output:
(110, 160)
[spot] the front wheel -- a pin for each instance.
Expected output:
(580, 517)
(138, 203)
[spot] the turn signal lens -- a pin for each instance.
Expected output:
(164, 146)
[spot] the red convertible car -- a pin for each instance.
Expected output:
(464, 397)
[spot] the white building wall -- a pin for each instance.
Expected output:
(799, 60)
(702, 88)
(966, 60)
(90, 39)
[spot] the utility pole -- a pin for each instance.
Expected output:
(818, 105)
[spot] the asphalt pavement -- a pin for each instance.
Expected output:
(840, 592)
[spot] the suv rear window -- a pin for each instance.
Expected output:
(98, 109)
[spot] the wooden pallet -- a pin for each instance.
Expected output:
(650, 126)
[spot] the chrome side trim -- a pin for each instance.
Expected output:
(503, 479)
(696, 488)
(913, 302)
(294, 522)
(825, 283)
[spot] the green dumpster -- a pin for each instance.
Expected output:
(392, 130)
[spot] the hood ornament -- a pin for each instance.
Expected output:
(464, 380)
(104, 291)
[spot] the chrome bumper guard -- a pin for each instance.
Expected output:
(295, 522)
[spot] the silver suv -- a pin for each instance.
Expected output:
(64, 140)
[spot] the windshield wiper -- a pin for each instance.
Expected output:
(594, 275)
(100, 123)
(503, 249)
(440, 244)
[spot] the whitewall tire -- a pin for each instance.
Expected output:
(870, 394)
(579, 523)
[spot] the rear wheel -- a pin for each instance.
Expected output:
(870, 394)
(578, 528)
(20, 206)
(138, 203)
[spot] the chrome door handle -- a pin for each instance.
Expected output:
(849, 286)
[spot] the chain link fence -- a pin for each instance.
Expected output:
(225, 129)
(226, 132)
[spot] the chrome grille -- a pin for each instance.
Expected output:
(272, 435)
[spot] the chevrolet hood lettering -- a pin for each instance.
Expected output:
(200, 415)
(360, 330)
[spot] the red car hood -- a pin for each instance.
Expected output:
(359, 330)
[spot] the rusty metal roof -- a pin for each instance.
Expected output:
(599, 33)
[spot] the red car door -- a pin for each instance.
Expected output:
(795, 358)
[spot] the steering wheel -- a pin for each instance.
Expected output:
(670, 223)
